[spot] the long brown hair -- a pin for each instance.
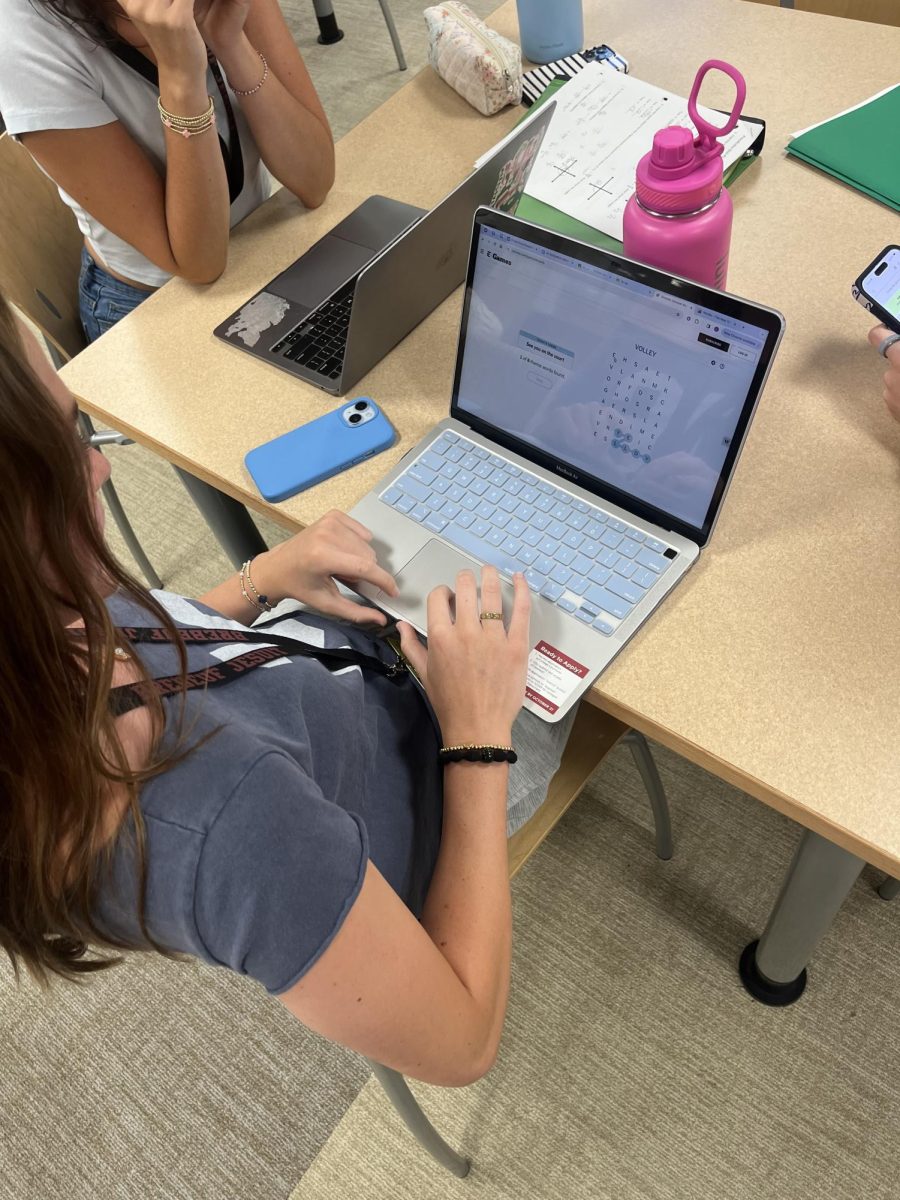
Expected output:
(60, 749)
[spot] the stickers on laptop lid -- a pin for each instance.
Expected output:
(552, 677)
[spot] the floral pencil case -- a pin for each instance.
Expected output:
(479, 63)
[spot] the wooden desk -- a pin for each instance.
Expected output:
(776, 663)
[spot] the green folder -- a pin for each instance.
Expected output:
(859, 148)
(540, 213)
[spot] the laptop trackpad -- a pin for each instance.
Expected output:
(436, 563)
(318, 272)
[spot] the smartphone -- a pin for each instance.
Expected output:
(321, 448)
(878, 288)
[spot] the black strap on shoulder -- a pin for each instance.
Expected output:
(232, 155)
(269, 647)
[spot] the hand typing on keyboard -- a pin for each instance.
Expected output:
(473, 671)
(305, 568)
(594, 566)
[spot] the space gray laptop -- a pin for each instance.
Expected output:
(338, 310)
(598, 411)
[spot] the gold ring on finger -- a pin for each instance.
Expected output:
(490, 616)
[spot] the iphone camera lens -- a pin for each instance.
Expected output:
(355, 418)
(360, 405)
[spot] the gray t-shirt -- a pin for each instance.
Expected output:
(54, 77)
(258, 841)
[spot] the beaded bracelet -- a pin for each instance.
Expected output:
(257, 601)
(265, 76)
(485, 754)
(187, 126)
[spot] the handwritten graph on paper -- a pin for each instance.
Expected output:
(637, 401)
(603, 124)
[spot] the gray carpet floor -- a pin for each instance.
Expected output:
(633, 1065)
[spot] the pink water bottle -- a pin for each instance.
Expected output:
(679, 218)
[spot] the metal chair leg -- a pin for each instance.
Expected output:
(397, 1091)
(889, 888)
(110, 495)
(229, 521)
(329, 33)
(643, 760)
(392, 30)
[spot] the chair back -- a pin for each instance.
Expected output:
(40, 249)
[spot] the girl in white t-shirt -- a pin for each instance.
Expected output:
(157, 119)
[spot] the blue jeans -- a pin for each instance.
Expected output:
(103, 299)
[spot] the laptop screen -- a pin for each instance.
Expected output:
(642, 382)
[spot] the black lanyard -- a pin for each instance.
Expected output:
(269, 647)
(231, 152)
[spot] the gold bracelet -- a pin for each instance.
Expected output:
(179, 121)
(187, 126)
(247, 597)
(259, 602)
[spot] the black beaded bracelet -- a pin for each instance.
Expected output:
(485, 754)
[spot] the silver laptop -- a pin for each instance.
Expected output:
(599, 408)
(338, 310)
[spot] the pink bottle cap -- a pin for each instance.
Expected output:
(673, 149)
(679, 175)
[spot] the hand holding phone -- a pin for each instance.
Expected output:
(321, 448)
(878, 288)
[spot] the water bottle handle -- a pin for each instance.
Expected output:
(709, 133)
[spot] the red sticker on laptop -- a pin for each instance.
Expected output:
(552, 677)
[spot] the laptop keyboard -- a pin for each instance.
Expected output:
(319, 341)
(589, 563)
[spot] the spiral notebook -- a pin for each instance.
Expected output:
(536, 81)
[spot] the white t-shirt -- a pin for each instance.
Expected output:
(52, 76)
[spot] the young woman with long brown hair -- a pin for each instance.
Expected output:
(269, 799)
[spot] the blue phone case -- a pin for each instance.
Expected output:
(323, 447)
